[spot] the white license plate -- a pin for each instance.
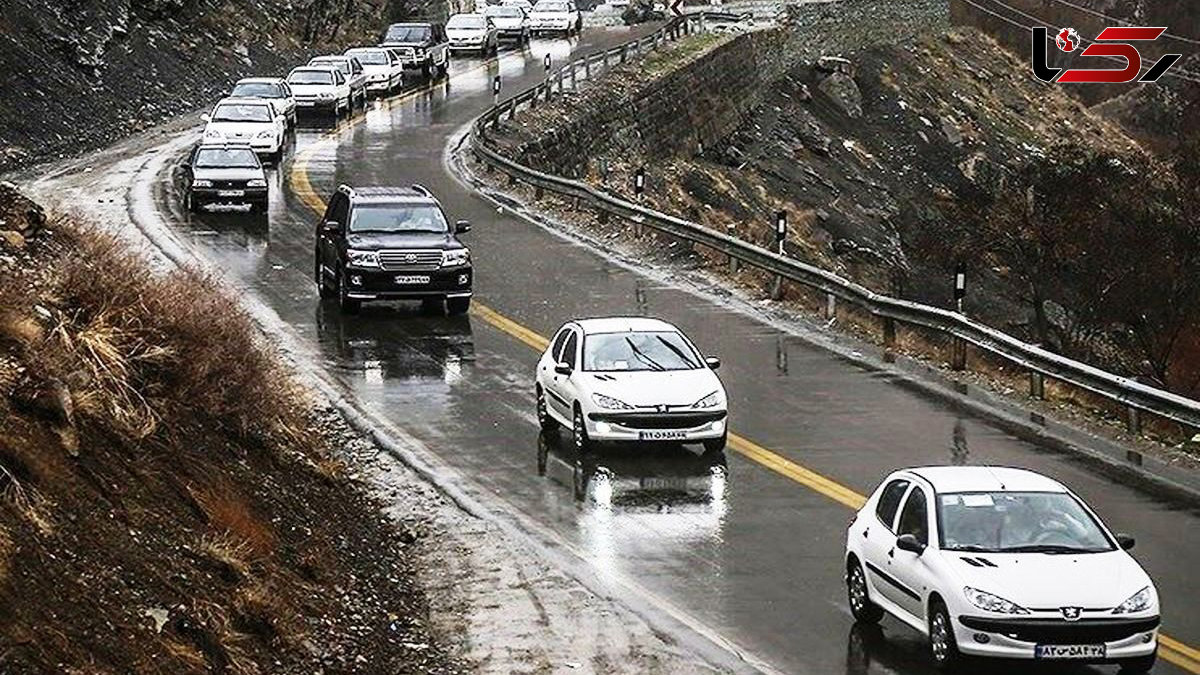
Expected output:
(662, 435)
(410, 280)
(306, 104)
(231, 193)
(1070, 651)
(679, 484)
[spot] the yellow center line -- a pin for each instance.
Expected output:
(1169, 649)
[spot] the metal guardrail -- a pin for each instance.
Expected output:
(1039, 362)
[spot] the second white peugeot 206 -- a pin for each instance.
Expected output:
(630, 379)
(999, 562)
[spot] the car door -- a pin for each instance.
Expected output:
(911, 571)
(340, 87)
(335, 212)
(879, 536)
(562, 387)
(546, 367)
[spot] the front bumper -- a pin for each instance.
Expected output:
(374, 284)
(213, 195)
(506, 34)
(379, 85)
(464, 45)
(551, 28)
(679, 427)
(1018, 638)
(316, 105)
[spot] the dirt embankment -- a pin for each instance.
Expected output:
(901, 147)
(169, 501)
(79, 75)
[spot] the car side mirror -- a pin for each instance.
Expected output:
(1126, 541)
(462, 227)
(331, 226)
(187, 166)
(908, 542)
(712, 362)
(205, 117)
(562, 368)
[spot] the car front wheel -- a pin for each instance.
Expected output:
(861, 607)
(455, 306)
(942, 644)
(545, 421)
(347, 304)
(1142, 664)
(579, 433)
(713, 446)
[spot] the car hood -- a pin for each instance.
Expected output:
(550, 15)
(1040, 580)
(231, 173)
(508, 22)
(371, 241)
(652, 388)
(311, 89)
(397, 43)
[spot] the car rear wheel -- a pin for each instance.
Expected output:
(456, 306)
(323, 287)
(942, 644)
(859, 596)
(579, 433)
(190, 202)
(545, 421)
(1142, 664)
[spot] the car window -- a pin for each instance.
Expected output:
(505, 11)
(257, 90)
(338, 78)
(407, 33)
(371, 57)
(241, 158)
(311, 77)
(550, 7)
(571, 349)
(1018, 521)
(559, 340)
(241, 112)
(639, 351)
(914, 519)
(338, 207)
(356, 66)
(467, 21)
(889, 502)
(398, 218)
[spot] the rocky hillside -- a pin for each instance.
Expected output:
(170, 502)
(80, 73)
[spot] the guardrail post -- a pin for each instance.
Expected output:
(587, 68)
(1133, 420)
(958, 352)
(830, 306)
(777, 288)
(1037, 385)
(624, 55)
(889, 339)
(573, 66)
(538, 192)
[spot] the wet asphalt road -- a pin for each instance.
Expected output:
(749, 553)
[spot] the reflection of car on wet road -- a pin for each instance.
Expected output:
(1003, 563)
(249, 121)
(224, 174)
(422, 46)
(512, 24)
(352, 70)
(630, 477)
(630, 379)
(472, 32)
(273, 89)
(320, 89)
(383, 68)
(391, 243)
(561, 17)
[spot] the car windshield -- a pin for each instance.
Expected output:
(257, 90)
(1014, 522)
(225, 158)
(511, 12)
(371, 57)
(466, 21)
(310, 77)
(640, 350)
(341, 64)
(407, 34)
(398, 218)
(241, 112)
(550, 7)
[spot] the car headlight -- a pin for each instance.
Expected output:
(1137, 602)
(363, 258)
(992, 603)
(455, 257)
(213, 133)
(256, 182)
(200, 182)
(710, 401)
(610, 403)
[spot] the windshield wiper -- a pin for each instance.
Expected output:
(1047, 548)
(682, 357)
(974, 548)
(655, 365)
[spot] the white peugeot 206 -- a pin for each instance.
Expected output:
(630, 379)
(999, 562)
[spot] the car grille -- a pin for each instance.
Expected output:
(658, 420)
(414, 261)
(229, 184)
(406, 53)
(1057, 631)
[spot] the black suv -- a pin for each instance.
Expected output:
(391, 243)
(422, 46)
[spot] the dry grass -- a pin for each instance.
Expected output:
(6, 552)
(232, 555)
(231, 516)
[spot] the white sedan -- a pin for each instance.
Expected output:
(251, 121)
(999, 562)
(630, 379)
